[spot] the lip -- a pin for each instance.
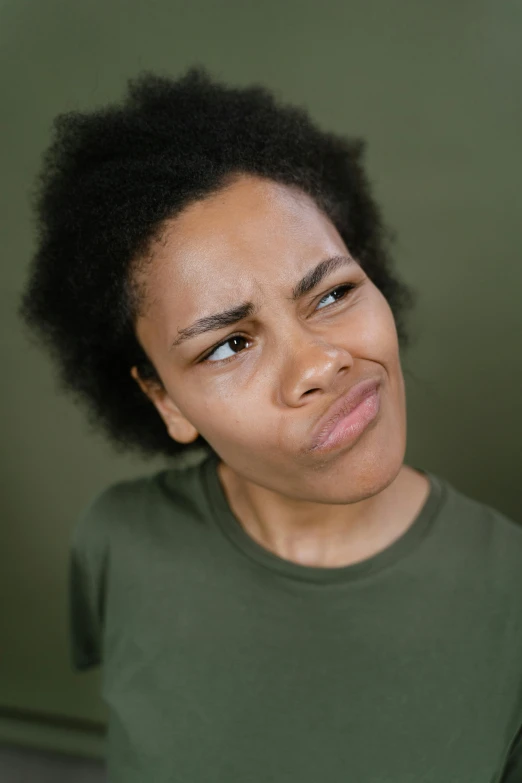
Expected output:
(349, 410)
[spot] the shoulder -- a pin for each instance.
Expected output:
(106, 510)
(139, 503)
(481, 531)
(486, 520)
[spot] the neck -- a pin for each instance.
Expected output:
(322, 535)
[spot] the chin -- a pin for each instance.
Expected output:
(354, 474)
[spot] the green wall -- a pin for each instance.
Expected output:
(435, 88)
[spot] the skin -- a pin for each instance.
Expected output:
(252, 241)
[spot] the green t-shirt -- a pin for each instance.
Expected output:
(225, 663)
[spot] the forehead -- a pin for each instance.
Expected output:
(253, 233)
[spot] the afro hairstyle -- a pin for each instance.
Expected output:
(110, 179)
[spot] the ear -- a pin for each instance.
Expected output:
(178, 426)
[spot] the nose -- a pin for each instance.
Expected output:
(313, 366)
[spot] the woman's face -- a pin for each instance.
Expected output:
(256, 389)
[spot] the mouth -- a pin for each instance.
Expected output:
(348, 417)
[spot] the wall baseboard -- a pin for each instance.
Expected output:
(58, 733)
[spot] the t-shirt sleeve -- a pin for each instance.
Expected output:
(513, 769)
(87, 579)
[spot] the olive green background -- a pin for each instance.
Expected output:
(436, 90)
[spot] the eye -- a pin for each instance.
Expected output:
(215, 351)
(346, 288)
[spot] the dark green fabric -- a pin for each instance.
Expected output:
(223, 662)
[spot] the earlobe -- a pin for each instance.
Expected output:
(179, 428)
(188, 436)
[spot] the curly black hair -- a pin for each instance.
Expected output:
(109, 180)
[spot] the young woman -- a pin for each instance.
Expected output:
(298, 606)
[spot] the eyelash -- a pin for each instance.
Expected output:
(205, 359)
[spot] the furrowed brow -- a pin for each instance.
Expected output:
(245, 310)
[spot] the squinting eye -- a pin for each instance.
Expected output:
(347, 287)
(221, 345)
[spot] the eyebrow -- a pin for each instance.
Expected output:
(235, 314)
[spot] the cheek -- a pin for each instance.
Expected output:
(233, 428)
(217, 409)
(376, 330)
